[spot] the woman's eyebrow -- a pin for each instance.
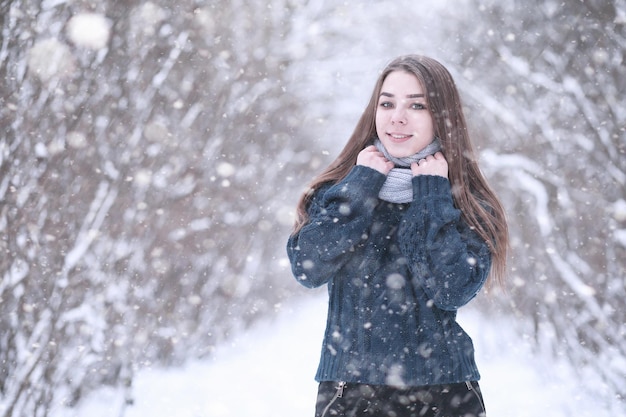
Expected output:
(408, 96)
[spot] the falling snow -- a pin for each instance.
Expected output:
(153, 153)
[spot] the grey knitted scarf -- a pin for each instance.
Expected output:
(398, 187)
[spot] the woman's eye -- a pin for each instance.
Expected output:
(386, 104)
(418, 106)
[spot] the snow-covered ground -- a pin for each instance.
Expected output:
(268, 371)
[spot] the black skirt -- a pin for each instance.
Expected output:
(338, 399)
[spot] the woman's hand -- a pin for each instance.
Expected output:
(373, 158)
(431, 165)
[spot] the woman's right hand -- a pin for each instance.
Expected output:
(373, 158)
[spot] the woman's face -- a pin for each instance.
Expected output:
(403, 121)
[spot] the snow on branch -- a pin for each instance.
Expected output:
(100, 206)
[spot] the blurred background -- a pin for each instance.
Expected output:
(152, 153)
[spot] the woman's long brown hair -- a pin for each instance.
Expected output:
(479, 206)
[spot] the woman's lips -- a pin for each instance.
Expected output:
(399, 137)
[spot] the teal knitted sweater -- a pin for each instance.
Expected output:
(396, 275)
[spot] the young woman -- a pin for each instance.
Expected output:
(404, 230)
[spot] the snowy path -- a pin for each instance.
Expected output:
(268, 371)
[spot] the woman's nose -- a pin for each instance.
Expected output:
(398, 116)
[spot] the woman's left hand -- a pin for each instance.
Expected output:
(431, 165)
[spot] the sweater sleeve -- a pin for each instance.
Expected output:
(339, 218)
(445, 256)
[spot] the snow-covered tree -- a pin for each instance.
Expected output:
(546, 80)
(144, 159)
